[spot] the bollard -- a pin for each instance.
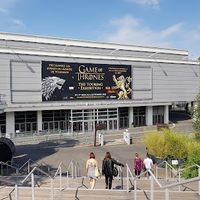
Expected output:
(102, 140)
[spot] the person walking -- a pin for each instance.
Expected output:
(138, 164)
(108, 169)
(91, 167)
(148, 164)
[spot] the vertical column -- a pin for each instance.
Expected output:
(130, 116)
(166, 114)
(10, 124)
(83, 124)
(118, 119)
(39, 120)
(149, 115)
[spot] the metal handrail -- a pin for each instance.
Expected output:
(3, 163)
(143, 173)
(153, 178)
(31, 174)
(75, 168)
(195, 165)
(12, 163)
(58, 170)
(8, 165)
(166, 165)
(27, 162)
(32, 171)
(9, 194)
(181, 183)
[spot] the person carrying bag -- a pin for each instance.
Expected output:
(108, 169)
(91, 166)
(97, 172)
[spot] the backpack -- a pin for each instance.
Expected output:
(115, 171)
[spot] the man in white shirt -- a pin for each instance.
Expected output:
(148, 164)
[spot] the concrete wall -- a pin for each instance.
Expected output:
(20, 79)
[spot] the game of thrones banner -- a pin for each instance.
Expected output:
(68, 81)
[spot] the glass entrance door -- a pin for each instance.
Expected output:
(77, 126)
(112, 125)
(2, 130)
(88, 126)
(139, 116)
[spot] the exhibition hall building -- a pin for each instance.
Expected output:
(55, 85)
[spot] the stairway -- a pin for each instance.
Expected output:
(69, 190)
(96, 194)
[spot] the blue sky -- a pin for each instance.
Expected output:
(162, 23)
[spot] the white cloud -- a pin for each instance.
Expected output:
(154, 3)
(172, 30)
(130, 30)
(18, 22)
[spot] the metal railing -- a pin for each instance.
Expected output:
(2, 164)
(74, 168)
(120, 176)
(31, 175)
(30, 163)
(27, 165)
(168, 168)
(154, 179)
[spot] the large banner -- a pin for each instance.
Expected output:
(68, 81)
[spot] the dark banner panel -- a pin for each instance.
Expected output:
(68, 81)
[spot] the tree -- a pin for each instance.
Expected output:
(196, 117)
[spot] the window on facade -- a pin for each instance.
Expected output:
(3, 118)
(139, 116)
(55, 120)
(25, 121)
(3, 123)
(123, 118)
(158, 115)
(88, 115)
(47, 115)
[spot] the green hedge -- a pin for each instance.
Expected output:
(166, 144)
(174, 145)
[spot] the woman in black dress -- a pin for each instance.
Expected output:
(108, 169)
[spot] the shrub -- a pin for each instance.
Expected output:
(154, 141)
(193, 158)
(166, 144)
(196, 117)
(176, 144)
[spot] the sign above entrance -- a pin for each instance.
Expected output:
(80, 81)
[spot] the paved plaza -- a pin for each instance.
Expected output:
(66, 149)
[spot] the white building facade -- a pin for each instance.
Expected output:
(53, 84)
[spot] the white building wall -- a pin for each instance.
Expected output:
(166, 114)
(175, 82)
(149, 115)
(39, 120)
(153, 83)
(130, 110)
(5, 77)
(10, 124)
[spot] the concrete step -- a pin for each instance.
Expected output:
(143, 183)
(97, 194)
